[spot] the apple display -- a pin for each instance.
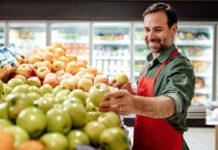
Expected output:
(41, 72)
(114, 138)
(58, 121)
(24, 69)
(96, 93)
(34, 81)
(85, 84)
(121, 78)
(77, 137)
(94, 129)
(33, 120)
(77, 113)
(54, 141)
(19, 134)
(110, 119)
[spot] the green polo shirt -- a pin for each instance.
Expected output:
(176, 80)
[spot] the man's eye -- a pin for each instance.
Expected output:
(158, 30)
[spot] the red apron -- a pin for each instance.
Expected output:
(150, 133)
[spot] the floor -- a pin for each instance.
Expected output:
(196, 138)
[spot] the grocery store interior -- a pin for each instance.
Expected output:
(109, 35)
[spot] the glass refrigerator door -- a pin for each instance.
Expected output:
(75, 36)
(111, 48)
(140, 50)
(196, 42)
(2, 34)
(27, 36)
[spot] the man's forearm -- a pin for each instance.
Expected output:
(155, 107)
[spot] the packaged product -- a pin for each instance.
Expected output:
(16, 52)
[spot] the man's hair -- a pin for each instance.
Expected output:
(169, 11)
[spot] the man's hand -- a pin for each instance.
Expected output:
(121, 102)
(126, 86)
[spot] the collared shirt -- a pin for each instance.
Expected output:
(176, 80)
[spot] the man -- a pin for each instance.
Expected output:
(165, 87)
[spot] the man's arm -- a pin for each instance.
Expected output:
(125, 103)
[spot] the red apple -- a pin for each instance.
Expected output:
(101, 79)
(65, 76)
(72, 67)
(68, 83)
(37, 65)
(89, 76)
(24, 69)
(60, 73)
(51, 79)
(42, 72)
(48, 65)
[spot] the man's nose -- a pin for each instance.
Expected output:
(150, 35)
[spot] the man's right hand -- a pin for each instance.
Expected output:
(126, 86)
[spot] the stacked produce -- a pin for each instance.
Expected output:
(51, 103)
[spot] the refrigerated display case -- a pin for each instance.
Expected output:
(196, 42)
(111, 47)
(27, 35)
(75, 36)
(2, 34)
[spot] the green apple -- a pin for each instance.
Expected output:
(110, 119)
(62, 96)
(92, 116)
(4, 110)
(94, 129)
(5, 123)
(58, 121)
(77, 113)
(16, 103)
(114, 138)
(54, 141)
(1, 87)
(46, 88)
(121, 78)
(6, 89)
(96, 93)
(48, 95)
(79, 94)
(57, 89)
(24, 88)
(45, 103)
(58, 106)
(90, 106)
(77, 137)
(72, 100)
(33, 120)
(33, 96)
(35, 89)
(15, 82)
(33, 81)
(19, 134)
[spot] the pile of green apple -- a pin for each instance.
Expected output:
(59, 118)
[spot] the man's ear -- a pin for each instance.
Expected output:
(174, 29)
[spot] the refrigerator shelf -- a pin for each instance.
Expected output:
(140, 42)
(200, 58)
(208, 75)
(202, 91)
(82, 41)
(111, 42)
(195, 42)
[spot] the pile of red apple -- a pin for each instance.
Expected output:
(52, 102)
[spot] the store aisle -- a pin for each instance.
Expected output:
(196, 138)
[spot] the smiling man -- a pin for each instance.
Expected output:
(165, 87)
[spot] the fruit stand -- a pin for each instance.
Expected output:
(49, 101)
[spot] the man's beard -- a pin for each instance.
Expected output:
(161, 48)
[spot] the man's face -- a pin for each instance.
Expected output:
(158, 36)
